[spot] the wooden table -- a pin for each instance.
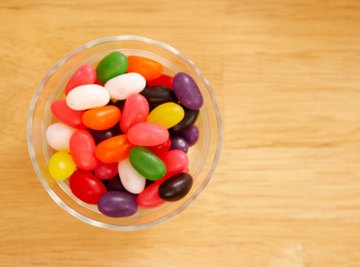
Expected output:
(287, 77)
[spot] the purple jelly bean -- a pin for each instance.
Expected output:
(117, 204)
(180, 143)
(187, 91)
(114, 184)
(100, 136)
(191, 135)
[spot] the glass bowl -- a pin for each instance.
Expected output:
(203, 157)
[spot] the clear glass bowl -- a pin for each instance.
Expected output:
(203, 157)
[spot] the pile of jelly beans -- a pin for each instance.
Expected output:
(122, 134)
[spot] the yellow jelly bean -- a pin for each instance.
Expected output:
(61, 166)
(168, 114)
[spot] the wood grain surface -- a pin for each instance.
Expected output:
(287, 189)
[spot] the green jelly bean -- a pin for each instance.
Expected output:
(146, 163)
(111, 66)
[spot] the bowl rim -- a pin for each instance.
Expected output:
(32, 153)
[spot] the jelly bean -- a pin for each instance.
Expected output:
(148, 68)
(158, 95)
(176, 187)
(162, 148)
(147, 134)
(187, 91)
(188, 120)
(149, 198)
(101, 118)
(61, 166)
(87, 96)
(117, 204)
(86, 74)
(100, 136)
(114, 149)
(136, 109)
(114, 184)
(82, 147)
(58, 136)
(175, 161)
(98, 82)
(167, 114)
(111, 66)
(120, 104)
(120, 87)
(163, 80)
(85, 186)
(179, 143)
(132, 181)
(106, 171)
(146, 163)
(65, 114)
(191, 135)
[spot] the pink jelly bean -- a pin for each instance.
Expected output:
(86, 74)
(176, 161)
(67, 115)
(136, 109)
(147, 134)
(82, 148)
(106, 171)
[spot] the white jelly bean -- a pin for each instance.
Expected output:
(120, 87)
(87, 96)
(58, 136)
(130, 178)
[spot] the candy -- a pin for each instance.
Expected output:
(114, 149)
(136, 109)
(67, 115)
(114, 184)
(120, 104)
(167, 114)
(120, 87)
(148, 68)
(187, 91)
(102, 118)
(110, 66)
(86, 186)
(191, 135)
(147, 134)
(82, 147)
(117, 204)
(163, 80)
(146, 163)
(58, 136)
(100, 136)
(162, 148)
(106, 171)
(158, 95)
(86, 74)
(188, 120)
(175, 161)
(132, 181)
(176, 187)
(149, 198)
(61, 166)
(87, 96)
(179, 143)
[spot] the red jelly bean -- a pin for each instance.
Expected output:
(82, 147)
(148, 68)
(101, 118)
(163, 80)
(160, 149)
(114, 149)
(86, 74)
(149, 198)
(176, 161)
(86, 186)
(67, 115)
(147, 134)
(106, 171)
(136, 109)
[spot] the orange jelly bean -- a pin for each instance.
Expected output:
(101, 118)
(148, 68)
(114, 149)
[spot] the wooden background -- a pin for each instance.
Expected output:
(287, 77)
